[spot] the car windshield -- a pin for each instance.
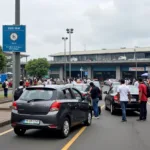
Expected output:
(41, 94)
(97, 84)
(132, 89)
(80, 87)
(116, 83)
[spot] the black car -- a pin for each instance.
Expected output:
(111, 99)
(50, 107)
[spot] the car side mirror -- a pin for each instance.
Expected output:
(105, 92)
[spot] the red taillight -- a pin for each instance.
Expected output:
(116, 98)
(14, 106)
(55, 106)
(84, 94)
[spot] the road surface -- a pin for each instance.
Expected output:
(106, 133)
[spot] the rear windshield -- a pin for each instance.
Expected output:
(43, 94)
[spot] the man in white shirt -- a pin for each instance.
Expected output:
(136, 84)
(124, 97)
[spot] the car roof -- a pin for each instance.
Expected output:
(56, 87)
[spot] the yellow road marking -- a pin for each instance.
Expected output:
(68, 145)
(5, 132)
(102, 107)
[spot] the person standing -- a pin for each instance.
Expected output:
(94, 91)
(136, 83)
(124, 97)
(142, 100)
(5, 86)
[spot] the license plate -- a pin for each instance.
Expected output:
(33, 122)
(133, 100)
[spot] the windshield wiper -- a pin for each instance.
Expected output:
(33, 100)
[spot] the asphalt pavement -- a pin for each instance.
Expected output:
(106, 133)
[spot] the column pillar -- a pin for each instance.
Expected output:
(89, 70)
(61, 73)
(118, 72)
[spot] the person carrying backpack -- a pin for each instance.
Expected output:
(19, 91)
(5, 86)
(143, 97)
(95, 91)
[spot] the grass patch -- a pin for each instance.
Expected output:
(0, 85)
(2, 96)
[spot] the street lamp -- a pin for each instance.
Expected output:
(69, 31)
(65, 39)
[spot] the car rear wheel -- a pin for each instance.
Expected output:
(112, 109)
(65, 130)
(106, 108)
(89, 119)
(19, 131)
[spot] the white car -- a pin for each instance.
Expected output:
(74, 59)
(122, 58)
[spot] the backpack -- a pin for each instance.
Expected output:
(4, 85)
(148, 90)
(18, 93)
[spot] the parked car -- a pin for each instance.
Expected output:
(74, 59)
(51, 107)
(122, 58)
(111, 99)
(110, 81)
(115, 83)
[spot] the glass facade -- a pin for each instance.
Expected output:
(105, 57)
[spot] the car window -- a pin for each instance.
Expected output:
(87, 89)
(77, 94)
(81, 87)
(67, 94)
(44, 94)
(61, 95)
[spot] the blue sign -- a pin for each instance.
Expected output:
(14, 38)
(86, 73)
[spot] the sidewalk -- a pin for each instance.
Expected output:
(5, 113)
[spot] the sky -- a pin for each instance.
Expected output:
(97, 24)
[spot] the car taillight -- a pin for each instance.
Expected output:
(116, 98)
(55, 106)
(14, 106)
(84, 94)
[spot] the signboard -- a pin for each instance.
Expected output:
(136, 69)
(148, 68)
(14, 38)
(86, 73)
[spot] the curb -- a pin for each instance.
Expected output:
(4, 123)
(5, 101)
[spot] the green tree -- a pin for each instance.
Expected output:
(3, 60)
(37, 67)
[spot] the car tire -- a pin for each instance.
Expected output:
(65, 130)
(112, 109)
(106, 108)
(99, 110)
(19, 131)
(89, 119)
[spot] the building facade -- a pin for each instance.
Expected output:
(102, 64)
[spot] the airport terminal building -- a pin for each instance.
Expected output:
(102, 64)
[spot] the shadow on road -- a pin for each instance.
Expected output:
(47, 134)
